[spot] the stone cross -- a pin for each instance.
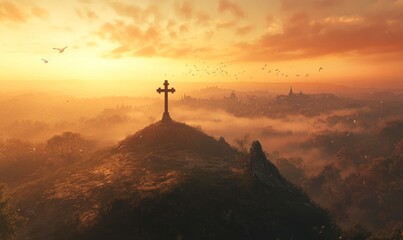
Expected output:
(165, 116)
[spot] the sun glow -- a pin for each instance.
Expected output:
(145, 42)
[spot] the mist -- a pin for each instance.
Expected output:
(323, 152)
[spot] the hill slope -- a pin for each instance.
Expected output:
(170, 181)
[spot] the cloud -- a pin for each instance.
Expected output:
(144, 32)
(288, 5)
(13, 12)
(225, 23)
(182, 29)
(133, 40)
(85, 1)
(244, 30)
(39, 12)
(87, 14)
(203, 18)
(228, 6)
(129, 34)
(187, 11)
(184, 10)
(91, 44)
(307, 36)
(150, 13)
(319, 28)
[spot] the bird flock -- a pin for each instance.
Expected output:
(277, 72)
(226, 70)
(204, 70)
(60, 50)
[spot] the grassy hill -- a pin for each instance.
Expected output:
(170, 181)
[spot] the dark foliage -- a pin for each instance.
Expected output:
(372, 192)
(10, 220)
(209, 206)
(68, 146)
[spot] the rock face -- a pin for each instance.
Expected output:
(170, 181)
(263, 169)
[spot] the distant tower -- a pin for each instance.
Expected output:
(233, 96)
(290, 93)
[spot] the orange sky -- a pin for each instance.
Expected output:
(149, 41)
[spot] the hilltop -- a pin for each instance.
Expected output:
(170, 181)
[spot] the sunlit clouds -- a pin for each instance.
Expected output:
(16, 12)
(133, 39)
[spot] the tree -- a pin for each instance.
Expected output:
(18, 158)
(358, 232)
(69, 146)
(10, 220)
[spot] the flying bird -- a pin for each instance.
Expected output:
(320, 69)
(44, 60)
(60, 49)
(307, 75)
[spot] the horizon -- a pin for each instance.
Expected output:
(83, 89)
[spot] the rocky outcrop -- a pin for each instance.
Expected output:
(263, 169)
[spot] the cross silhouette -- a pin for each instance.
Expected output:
(165, 116)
